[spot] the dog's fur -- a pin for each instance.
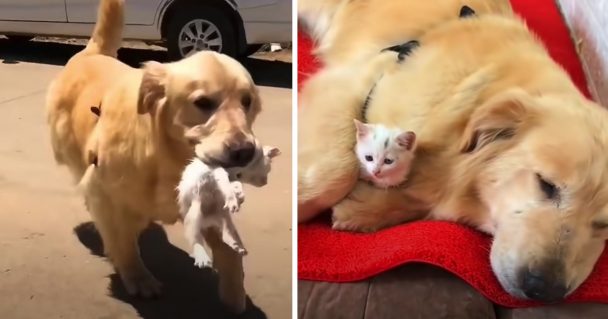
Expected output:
(153, 120)
(496, 118)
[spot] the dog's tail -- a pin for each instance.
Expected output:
(107, 35)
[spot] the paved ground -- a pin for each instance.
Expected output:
(50, 264)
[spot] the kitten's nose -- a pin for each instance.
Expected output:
(376, 173)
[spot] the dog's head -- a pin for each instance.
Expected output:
(207, 100)
(544, 178)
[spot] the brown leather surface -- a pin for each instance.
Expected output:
(419, 291)
(580, 311)
(413, 291)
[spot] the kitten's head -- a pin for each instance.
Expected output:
(385, 154)
(256, 172)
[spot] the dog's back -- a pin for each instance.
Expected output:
(81, 85)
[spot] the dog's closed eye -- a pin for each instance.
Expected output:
(600, 225)
(548, 188)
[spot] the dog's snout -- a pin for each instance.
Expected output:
(544, 286)
(241, 154)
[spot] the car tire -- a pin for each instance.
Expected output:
(204, 27)
(19, 38)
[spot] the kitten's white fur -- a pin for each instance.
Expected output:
(207, 196)
(379, 143)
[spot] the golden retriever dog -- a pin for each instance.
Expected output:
(506, 142)
(152, 121)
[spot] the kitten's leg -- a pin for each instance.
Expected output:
(239, 192)
(231, 202)
(231, 236)
(368, 209)
(192, 231)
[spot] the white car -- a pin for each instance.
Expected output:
(233, 27)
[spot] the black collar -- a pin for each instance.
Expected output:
(403, 50)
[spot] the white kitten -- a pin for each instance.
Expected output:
(208, 195)
(385, 154)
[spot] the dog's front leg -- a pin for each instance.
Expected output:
(368, 208)
(120, 231)
(229, 265)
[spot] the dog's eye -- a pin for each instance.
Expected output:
(548, 188)
(239, 175)
(246, 101)
(205, 104)
(369, 158)
(599, 225)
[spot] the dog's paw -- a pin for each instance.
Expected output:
(142, 284)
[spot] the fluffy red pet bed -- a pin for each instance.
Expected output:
(327, 255)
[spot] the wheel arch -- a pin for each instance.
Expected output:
(227, 6)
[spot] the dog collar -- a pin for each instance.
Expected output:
(404, 50)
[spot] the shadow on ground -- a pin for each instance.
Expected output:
(264, 72)
(188, 292)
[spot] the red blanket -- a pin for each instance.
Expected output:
(328, 255)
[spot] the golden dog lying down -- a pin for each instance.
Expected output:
(506, 143)
(153, 121)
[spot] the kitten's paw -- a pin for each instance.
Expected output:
(201, 258)
(239, 249)
(202, 263)
(231, 204)
(238, 192)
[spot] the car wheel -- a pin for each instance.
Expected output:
(198, 28)
(19, 38)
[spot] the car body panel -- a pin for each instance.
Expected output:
(263, 20)
(260, 25)
(139, 12)
(33, 10)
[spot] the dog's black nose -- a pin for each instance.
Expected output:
(241, 154)
(543, 288)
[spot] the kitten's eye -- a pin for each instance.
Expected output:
(369, 158)
(205, 104)
(239, 175)
(548, 188)
(246, 101)
(388, 161)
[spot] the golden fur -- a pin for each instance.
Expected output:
(495, 117)
(153, 121)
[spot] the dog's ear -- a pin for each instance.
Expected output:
(152, 86)
(498, 118)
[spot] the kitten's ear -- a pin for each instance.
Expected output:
(407, 140)
(152, 87)
(362, 129)
(271, 151)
